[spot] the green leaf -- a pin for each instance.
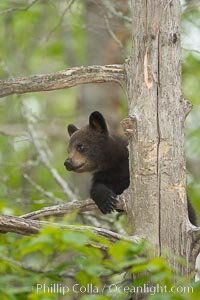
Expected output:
(75, 238)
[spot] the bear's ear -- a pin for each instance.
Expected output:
(97, 122)
(71, 129)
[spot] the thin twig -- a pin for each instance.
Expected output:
(112, 34)
(43, 156)
(12, 9)
(69, 5)
(48, 194)
(111, 9)
(191, 5)
(191, 50)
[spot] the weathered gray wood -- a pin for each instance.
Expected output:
(81, 206)
(63, 79)
(157, 111)
(27, 227)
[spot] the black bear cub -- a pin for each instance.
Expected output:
(93, 149)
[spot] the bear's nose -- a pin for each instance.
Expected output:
(68, 164)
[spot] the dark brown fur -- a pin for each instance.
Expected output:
(93, 149)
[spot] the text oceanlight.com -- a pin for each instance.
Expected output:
(57, 288)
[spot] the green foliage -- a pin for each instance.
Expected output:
(57, 262)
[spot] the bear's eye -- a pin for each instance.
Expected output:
(80, 148)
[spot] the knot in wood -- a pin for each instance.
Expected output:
(129, 126)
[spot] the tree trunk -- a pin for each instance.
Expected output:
(157, 111)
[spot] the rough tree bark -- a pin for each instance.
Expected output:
(151, 77)
(62, 79)
(157, 111)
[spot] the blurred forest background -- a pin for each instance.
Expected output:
(44, 36)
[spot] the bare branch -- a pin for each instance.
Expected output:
(48, 194)
(109, 7)
(112, 34)
(191, 5)
(191, 50)
(27, 227)
(18, 225)
(27, 224)
(81, 206)
(12, 9)
(63, 79)
(61, 209)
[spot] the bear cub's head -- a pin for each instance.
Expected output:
(87, 146)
